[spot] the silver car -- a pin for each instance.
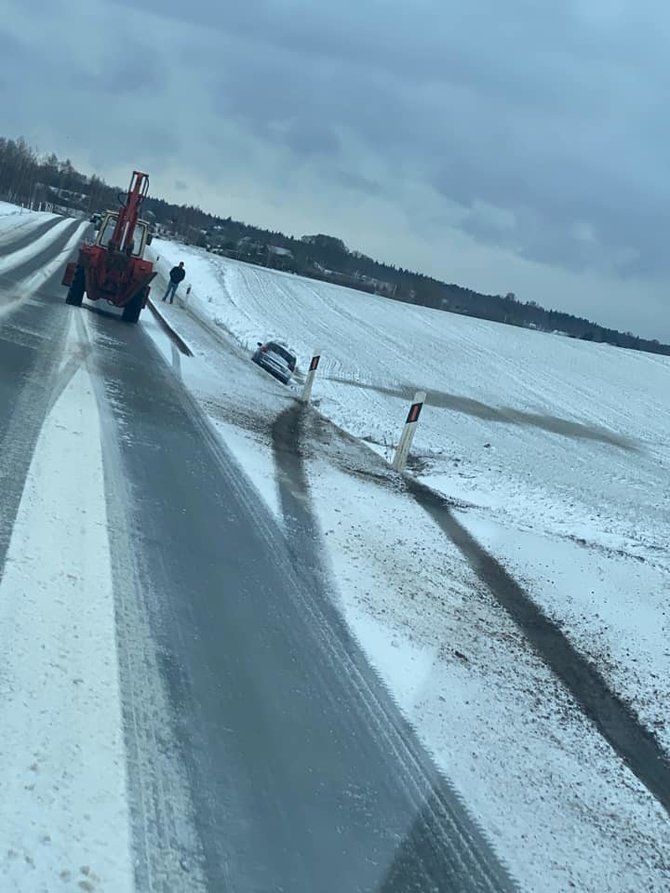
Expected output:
(277, 359)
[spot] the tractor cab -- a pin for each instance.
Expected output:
(141, 235)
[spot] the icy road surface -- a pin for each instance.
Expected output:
(183, 708)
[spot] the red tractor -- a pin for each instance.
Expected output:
(112, 268)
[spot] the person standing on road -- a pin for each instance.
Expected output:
(176, 276)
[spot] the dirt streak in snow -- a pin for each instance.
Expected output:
(442, 833)
(506, 415)
(614, 719)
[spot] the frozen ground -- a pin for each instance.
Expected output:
(557, 451)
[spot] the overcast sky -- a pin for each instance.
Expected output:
(516, 146)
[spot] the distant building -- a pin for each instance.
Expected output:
(247, 245)
(280, 252)
(380, 286)
(280, 258)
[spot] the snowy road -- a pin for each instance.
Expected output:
(18, 237)
(183, 708)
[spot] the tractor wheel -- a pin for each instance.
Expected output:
(132, 310)
(75, 293)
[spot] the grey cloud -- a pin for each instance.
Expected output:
(422, 40)
(542, 122)
(126, 74)
(311, 105)
(542, 55)
(95, 99)
(500, 122)
(311, 138)
(142, 146)
(358, 183)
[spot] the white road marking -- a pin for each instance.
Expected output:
(63, 789)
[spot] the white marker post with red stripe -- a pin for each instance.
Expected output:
(309, 380)
(407, 436)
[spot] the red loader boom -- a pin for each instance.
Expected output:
(112, 268)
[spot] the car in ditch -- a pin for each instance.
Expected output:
(277, 359)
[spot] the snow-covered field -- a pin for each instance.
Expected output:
(565, 436)
(558, 452)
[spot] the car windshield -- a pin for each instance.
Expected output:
(285, 355)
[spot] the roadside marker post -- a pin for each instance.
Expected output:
(306, 395)
(407, 436)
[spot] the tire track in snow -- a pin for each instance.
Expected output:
(615, 720)
(304, 541)
(23, 234)
(12, 265)
(444, 849)
(40, 273)
(498, 414)
(167, 852)
(637, 747)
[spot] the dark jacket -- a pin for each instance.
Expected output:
(177, 274)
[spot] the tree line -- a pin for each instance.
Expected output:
(27, 177)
